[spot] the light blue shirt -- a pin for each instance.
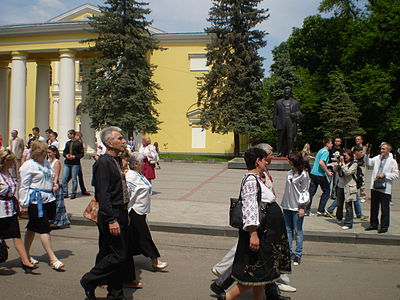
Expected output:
(323, 155)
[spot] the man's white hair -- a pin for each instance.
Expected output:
(266, 147)
(107, 134)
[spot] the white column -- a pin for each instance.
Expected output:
(89, 136)
(66, 120)
(4, 72)
(42, 107)
(17, 114)
(56, 101)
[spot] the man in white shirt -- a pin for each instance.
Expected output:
(17, 147)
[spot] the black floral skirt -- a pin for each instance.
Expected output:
(273, 259)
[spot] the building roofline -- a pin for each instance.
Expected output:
(75, 12)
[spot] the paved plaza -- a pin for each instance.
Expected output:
(197, 194)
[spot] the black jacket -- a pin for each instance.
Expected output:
(77, 150)
(108, 186)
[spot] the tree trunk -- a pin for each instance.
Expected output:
(236, 143)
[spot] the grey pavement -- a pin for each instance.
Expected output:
(194, 197)
(328, 270)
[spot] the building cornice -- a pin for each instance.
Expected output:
(194, 37)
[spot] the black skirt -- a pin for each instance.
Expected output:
(41, 225)
(273, 259)
(140, 240)
(9, 228)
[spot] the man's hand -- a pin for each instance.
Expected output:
(114, 228)
(380, 176)
(68, 156)
(254, 242)
(329, 173)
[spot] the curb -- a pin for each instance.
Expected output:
(312, 236)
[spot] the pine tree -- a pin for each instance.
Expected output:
(231, 96)
(340, 115)
(120, 89)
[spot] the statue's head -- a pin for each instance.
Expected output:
(287, 92)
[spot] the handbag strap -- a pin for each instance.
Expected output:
(382, 164)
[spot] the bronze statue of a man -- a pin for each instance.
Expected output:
(287, 114)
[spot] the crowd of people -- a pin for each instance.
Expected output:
(34, 181)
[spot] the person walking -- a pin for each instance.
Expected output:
(9, 209)
(359, 157)
(346, 190)
(73, 152)
(61, 219)
(17, 147)
(36, 197)
(132, 144)
(150, 154)
(84, 192)
(255, 264)
(384, 172)
(359, 142)
(111, 192)
(318, 174)
(140, 190)
(294, 201)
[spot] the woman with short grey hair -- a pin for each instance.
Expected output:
(140, 190)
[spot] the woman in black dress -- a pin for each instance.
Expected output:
(262, 254)
(9, 209)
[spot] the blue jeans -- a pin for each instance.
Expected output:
(332, 207)
(315, 182)
(294, 227)
(70, 172)
(357, 205)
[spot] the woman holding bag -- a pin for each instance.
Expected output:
(346, 190)
(262, 254)
(9, 209)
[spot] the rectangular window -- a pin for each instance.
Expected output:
(198, 137)
(198, 62)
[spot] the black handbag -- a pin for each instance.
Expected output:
(379, 184)
(3, 251)
(236, 205)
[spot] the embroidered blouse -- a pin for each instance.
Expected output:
(7, 191)
(140, 190)
(36, 176)
(149, 150)
(249, 198)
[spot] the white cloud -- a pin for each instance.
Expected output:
(51, 3)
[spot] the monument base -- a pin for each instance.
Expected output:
(277, 163)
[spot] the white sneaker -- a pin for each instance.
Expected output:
(284, 278)
(215, 272)
(286, 288)
(345, 227)
(362, 200)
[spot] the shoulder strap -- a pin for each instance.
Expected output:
(258, 187)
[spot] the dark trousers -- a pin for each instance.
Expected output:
(315, 182)
(285, 140)
(81, 182)
(382, 199)
(340, 201)
(111, 259)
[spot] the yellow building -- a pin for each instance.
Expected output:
(40, 73)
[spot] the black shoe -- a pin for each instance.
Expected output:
(72, 197)
(371, 227)
(219, 291)
(382, 230)
(280, 297)
(66, 196)
(29, 269)
(297, 260)
(89, 291)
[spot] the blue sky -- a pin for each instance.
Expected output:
(172, 15)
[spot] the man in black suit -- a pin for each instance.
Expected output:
(287, 114)
(112, 220)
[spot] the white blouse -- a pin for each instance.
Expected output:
(7, 191)
(36, 176)
(149, 151)
(140, 190)
(249, 198)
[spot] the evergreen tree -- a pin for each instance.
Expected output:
(340, 115)
(120, 89)
(231, 97)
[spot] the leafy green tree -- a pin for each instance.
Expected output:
(231, 96)
(120, 89)
(340, 115)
